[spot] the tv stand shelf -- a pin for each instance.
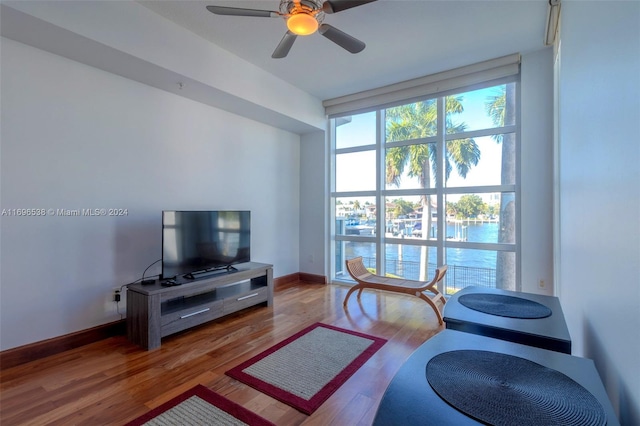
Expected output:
(155, 311)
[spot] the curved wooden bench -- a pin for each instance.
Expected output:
(366, 279)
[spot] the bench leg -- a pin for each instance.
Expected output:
(433, 305)
(437, 293)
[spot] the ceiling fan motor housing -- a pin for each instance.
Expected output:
(309, 7)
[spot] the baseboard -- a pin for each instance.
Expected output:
(33, 351)
(313, 278)
(285, 279)
(298, 276)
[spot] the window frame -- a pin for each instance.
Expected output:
(439, 189)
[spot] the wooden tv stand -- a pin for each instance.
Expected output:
(155, 311)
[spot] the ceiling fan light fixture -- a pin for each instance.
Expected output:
(302, 24)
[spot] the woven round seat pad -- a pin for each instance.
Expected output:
(501, 389)
(504, 306)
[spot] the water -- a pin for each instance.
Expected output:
(466, 266)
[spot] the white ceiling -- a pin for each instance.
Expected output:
(405, 39)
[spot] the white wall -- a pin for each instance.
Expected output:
(77, 137)
(536, 171)
(599, 148)
(313, 203)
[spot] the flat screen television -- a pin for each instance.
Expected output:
(195, 242)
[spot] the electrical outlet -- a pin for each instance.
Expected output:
(541, 283)
(116, 295)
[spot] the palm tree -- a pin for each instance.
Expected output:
(501, 108)
(416, 121)
(356, 208)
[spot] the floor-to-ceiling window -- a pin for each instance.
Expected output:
(430, 182)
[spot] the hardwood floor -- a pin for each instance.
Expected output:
(113, 381)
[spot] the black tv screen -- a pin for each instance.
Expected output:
(202, 241)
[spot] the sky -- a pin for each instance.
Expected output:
(356, 171)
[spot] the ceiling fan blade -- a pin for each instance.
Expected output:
(237, 11)
(284, 46)
(341, 38)
(335, 6)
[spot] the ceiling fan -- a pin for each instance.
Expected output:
(304, 17)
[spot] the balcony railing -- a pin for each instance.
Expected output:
(457, 278)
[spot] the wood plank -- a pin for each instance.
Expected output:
(113, 381)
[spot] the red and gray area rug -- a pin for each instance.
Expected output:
(200, 406)
(305, 369)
